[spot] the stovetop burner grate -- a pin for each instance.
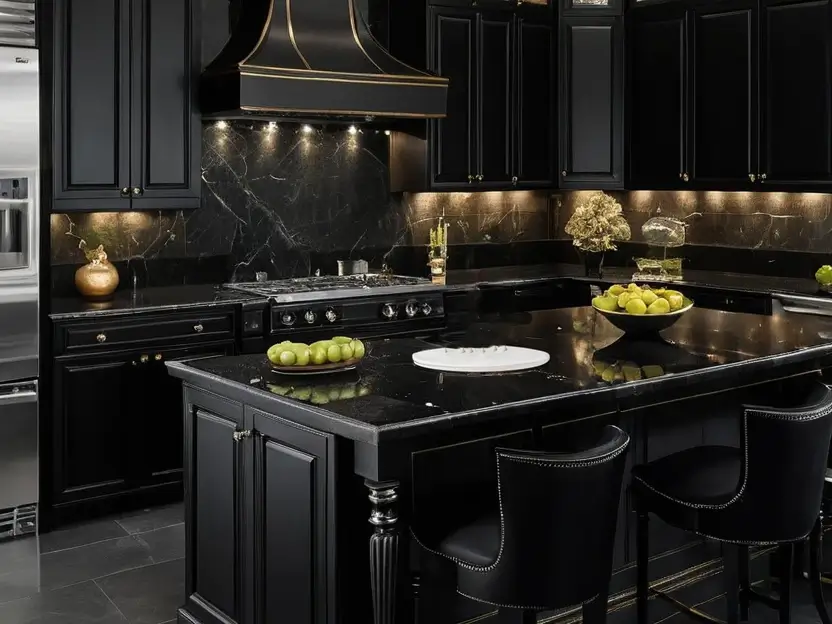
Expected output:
(346, 285)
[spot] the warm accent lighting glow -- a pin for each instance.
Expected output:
(387, 132)
(306, 129)
(272, 126)
(222, 125)
(352, 130)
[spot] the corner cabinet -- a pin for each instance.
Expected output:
(591, 102)
(267, 553)
(126, 127)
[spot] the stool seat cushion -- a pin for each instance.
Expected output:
(706, 475)
(476, 543)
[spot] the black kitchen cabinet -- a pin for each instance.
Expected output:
(796, 89)
(499, 129)
(591, 102)
(113, 386)
(127, 131)
(657, 62)
(268, 551)
(453, 139)
(723, 101)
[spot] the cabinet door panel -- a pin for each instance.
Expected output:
(494, 98)
(658, 59)
(724, 100)
(91, 438)
(91, 104)
(160, 426)
(796, 140)
(590, 103)
(452, 138)
(294, 510)
(534, 164)
(215, 491)
(166, 129)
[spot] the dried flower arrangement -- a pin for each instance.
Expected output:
(597, 224)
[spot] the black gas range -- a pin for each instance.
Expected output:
(312, 308)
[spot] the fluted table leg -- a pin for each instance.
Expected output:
(384, 549)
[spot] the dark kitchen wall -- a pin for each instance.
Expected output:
(290, 200)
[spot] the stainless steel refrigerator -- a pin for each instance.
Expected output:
(19, 224)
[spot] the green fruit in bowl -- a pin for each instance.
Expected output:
(358, 349)
(623, 298)
(346, 352)
(340, 340)
(333, 354)
(636, 306)
(288, 358)
(303, 355)
(616, 289)
(824, 275)
(609, 304)
(659, 306)
(318, 354)
(649, 297)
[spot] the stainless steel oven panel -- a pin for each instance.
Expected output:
(18, 457)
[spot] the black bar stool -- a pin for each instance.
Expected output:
(549, 544)
(766, 492)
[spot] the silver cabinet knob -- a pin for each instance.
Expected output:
(101, 338)
(136, 191)
(752, 177)
(331, 315)
(563, 173)
(144, 358)
(198, 328)
(685, 177)
(470, 178)
(426, 309)
(288, 318)
(411, 309)
(479, 177)
(310, 317)
(514, 180)
(763, 177)
(125, 192)
(389, 311)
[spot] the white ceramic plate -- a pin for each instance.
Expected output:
(498, 359)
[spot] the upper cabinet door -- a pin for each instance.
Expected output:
(165, 122)
(453, 155)
(91, 146)
(796, 109)
(591, 111)
(534, 117)
(494, 43)
(658, 64)
(724, 95)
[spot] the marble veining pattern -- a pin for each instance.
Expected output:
(277, 196)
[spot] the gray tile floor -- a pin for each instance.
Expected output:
(129, 568)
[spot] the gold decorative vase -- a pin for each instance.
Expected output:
(98, 279)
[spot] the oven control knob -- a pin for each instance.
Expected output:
(411, 309)
(426, 309)
(389, 311)
(310, 317)
(331, 315)
(288, 318)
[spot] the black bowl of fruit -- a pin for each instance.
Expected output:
(641, 309)
(325, 356)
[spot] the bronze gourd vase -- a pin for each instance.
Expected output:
(98, 279)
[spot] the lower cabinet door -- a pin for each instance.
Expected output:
(160, 421)
(294, 520)
(213, 506)
(89, 431)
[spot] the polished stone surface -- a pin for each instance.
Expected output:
(388, 396)
(125, 569)
(148, 300)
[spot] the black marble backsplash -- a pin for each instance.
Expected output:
(289, 200)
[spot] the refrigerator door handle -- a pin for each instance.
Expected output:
(17, 398)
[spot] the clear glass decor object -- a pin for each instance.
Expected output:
(661, 233)
(664, 232)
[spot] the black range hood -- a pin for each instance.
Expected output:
(314, 58)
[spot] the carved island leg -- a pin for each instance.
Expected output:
(384, 549)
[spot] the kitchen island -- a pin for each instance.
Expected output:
(277, 468)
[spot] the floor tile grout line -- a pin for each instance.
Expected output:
(147, 565)
(167, 526)
(107, 596)
(109, 539)
(41, 590)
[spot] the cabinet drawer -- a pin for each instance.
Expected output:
(102, 335)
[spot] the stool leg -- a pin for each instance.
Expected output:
(745, 584)
(731, 578)
(642, 561)
(786, 565)
(814, 571)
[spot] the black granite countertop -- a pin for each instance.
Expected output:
(734, 282)
(145, 300)
(388, 397)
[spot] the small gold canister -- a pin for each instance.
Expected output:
(98, 279)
